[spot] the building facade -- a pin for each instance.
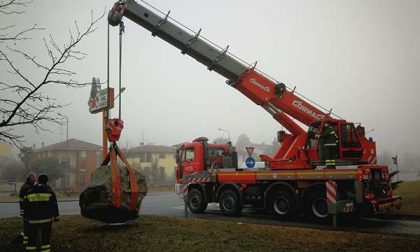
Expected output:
(5, 149)
(78, 158)
(157, 162)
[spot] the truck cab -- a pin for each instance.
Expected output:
(200, 155)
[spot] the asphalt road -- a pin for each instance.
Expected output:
(163, 204)
(169, 204)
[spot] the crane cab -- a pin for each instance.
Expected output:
(352, 148)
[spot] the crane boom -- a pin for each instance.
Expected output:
(191, 44)
(299, 150)
(273, 97)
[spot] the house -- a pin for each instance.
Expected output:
(5, 149)
(156, 161)
(79, 158)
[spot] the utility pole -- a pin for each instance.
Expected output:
(227, 131)
(67, 141)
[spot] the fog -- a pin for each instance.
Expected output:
(360, 58)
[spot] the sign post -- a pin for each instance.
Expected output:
(250, 161)
(101, 100)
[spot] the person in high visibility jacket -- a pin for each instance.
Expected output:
(29, 183)
(330, 146)
(41, 209)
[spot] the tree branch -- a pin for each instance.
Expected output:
(4, 6)
(26, 104)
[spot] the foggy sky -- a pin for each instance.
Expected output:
(360, 58)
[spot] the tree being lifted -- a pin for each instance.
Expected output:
(22, 101)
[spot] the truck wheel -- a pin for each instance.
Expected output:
(282, 204)
(229, 203)
(196, 201)
(315, 206)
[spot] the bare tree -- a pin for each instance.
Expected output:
(23, 101)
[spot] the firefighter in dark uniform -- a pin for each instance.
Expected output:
(41, 210)
(29, 183)
(330, 146)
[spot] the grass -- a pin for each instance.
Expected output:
(152, 233)
(410, 192)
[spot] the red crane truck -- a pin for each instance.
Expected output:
(294, 180)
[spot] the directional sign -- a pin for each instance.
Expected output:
(250, 162)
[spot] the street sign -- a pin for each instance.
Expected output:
(249, 150)
(250, 162)
(100, 99)
(11, 182)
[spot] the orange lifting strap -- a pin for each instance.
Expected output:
(114, 151)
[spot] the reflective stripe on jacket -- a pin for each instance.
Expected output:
(40, 204)
(330, 137)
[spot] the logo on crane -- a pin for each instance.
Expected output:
(299, 105)
(256, 83)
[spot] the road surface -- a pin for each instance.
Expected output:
(169, 204)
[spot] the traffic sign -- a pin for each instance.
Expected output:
(249, 150)
(11, 182)
(250, 162)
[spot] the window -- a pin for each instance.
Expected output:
(83, 164)
(187, 155)
(162, 155)
(148, 157)
(162, 171)
(216, 152)
(83, 154)
(82, 178)
(348, 136)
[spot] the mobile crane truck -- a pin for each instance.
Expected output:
(294, 181)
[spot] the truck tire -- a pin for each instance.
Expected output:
(282, 204)
(229, 203)
(196, 202)
(315, 206)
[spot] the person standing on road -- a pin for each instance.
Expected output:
(41, 210)
(29, 183)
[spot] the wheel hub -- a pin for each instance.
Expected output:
(320, 207)
(281, 205)
(228, 203)
(195, 202)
